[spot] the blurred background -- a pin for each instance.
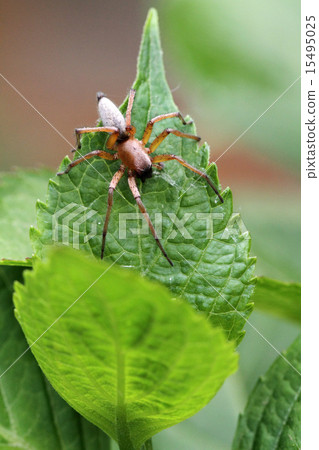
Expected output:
(233, 66)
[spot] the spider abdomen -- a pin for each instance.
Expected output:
(109, 113)
(134, 156)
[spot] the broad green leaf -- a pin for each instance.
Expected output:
(271, 419)
(122, 353)
(214, 273)
(278, 298)
(18, 192)
(32, 415)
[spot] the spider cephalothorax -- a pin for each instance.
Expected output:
(133, 153)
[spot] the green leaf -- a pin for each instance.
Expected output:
(278, 298)
(122, 353)
(32, 415)
(271, 419)
(18, 192)
(213, 274)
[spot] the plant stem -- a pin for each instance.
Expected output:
(147, 445)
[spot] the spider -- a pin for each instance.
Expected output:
(133, 154)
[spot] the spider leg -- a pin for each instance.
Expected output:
(160, 138)
(129, 107)
(112, 139)
(116, 178)
(150, 124)
(100, 153)
(79, 131)
(159, 166)
(162, 158)
(137, 196)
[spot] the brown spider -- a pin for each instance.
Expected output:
(134, 154)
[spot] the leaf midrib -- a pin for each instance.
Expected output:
(123, 432)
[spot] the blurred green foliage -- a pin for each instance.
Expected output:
(233, 60)
(18, 193)
(243, 57)
(274, 223)
(278, 298)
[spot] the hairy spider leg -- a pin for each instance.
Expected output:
(129, 107)
(160, 138)
(137, 196)
(150, 124)
(130, 129)
(161, 158)
(79, 131)
(100, 153)
(116, 178)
